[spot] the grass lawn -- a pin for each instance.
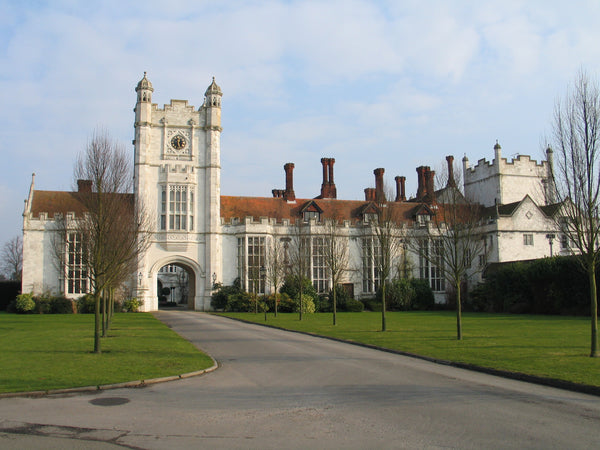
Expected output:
(547, 346)
(41, 352)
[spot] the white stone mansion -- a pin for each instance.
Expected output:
(220, 238)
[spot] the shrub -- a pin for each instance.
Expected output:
(61, 305)
(308, 305)
(286, 304)
(220, 297)
(132, 305)
(240, 302)
(291, 287)
(354, 305)
(371, 304)
(399, 294)
(86, 304)
(423, 295)
(42, 305)
(24, 303)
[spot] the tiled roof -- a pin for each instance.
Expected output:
(278, 208)
(52, 202)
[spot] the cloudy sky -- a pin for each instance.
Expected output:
(393, 84)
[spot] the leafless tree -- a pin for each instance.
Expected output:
(299, 254)
(385, 235)
(12, 258)
(452, 238)
(114, 228)
(276, 267)
(576, 141)
(336, 257)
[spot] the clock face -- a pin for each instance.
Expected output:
(178, 142)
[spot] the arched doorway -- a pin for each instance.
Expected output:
(166, 273)
(175, 286)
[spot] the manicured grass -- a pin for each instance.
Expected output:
(547, 346)
(41, 352)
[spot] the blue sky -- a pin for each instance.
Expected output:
(393, 84)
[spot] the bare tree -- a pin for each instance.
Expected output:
(276, 267)
(12, 258)
(336, 257)
(452, 239)
(576, 141)
(299, 254)
(114, 228)
(384, 234)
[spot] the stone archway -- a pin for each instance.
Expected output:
(194, 279)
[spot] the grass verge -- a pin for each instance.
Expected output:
(42, 352)
(546, 346)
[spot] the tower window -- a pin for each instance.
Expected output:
(176, 207)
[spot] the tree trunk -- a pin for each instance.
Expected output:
(383, 327)
(300, 318)
(458, 312)
(594, 309)
(334, 306)
(276, 296)
(97, 324)
(104, 314)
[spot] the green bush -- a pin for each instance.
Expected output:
(86, 304)
(423, 299)
(399, 295)
(555, 285)
(61, 305)
(24, 303)
(42, 305)
(291, 287)
(308, 305)
(286, 304)
(221, 295)
(371, 304)
(240, 302)
(354, 305)
(132, 305)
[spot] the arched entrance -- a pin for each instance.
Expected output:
(174, 284)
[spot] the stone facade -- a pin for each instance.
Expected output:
(218, 238)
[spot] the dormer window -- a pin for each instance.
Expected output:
(423, 219)
(370, 217)
(307, 215)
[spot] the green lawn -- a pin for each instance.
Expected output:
(41, 352)
(547, 346)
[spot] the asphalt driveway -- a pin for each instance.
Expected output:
(276, 389)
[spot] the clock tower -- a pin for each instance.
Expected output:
(177, 181)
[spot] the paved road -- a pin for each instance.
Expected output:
(285, 390)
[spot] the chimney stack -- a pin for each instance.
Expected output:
(421, 188)
(289, 194)
(430, 177)
(84, 185)
(328, 189)
(450, 161)
(400, 189)
(379, 194)
(369, 195)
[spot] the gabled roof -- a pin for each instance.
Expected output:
(510, 208)
(61, 202)
(311, 205)
(279, 209)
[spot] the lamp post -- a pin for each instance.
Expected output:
(550, 237)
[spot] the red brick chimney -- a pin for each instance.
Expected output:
(328, 189)
(429, 185)
(400, 189)
(450, 161)
(289, 194)
(84, 185)
(369, 194)
(379, 194)
(421, 188)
